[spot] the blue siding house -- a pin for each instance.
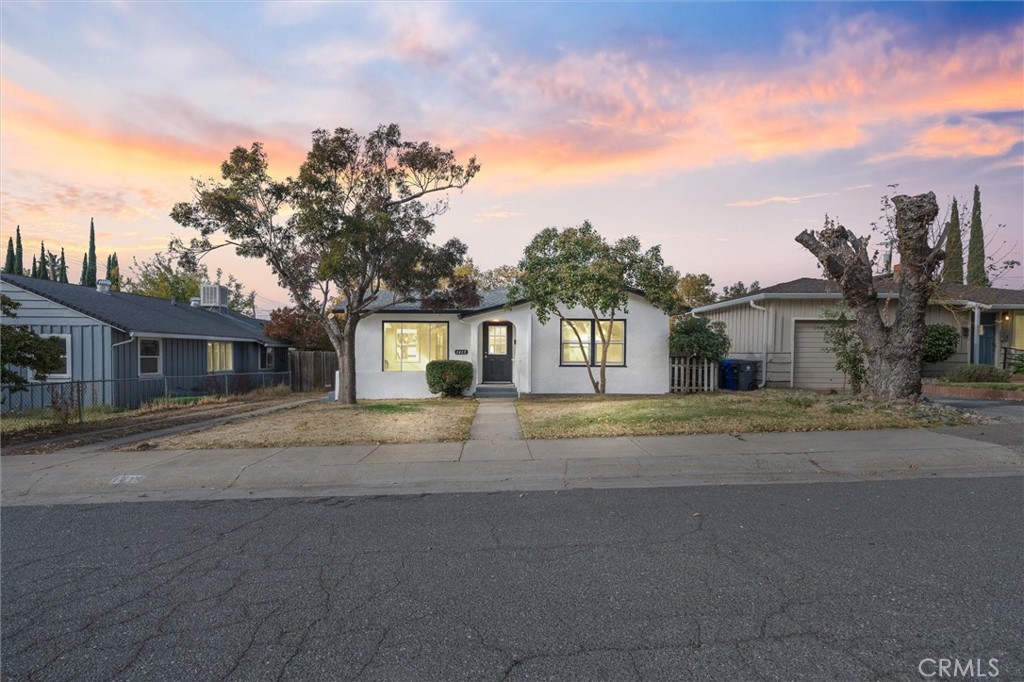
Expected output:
(127, 349)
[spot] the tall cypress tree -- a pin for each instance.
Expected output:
(83, 280)
(976, 246)
(953, 269)
(42, 274)
(35, 268)
(63, 278)
(19, 254)
(9, 262)
(90, 280)
(114, 272)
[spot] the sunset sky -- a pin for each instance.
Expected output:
(719, 131)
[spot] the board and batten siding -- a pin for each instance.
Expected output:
(89, 353)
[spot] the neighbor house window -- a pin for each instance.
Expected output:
(150, 360)
(63, 370)
(266, 358)
(219, 356)
(409, 346)
(581, 341)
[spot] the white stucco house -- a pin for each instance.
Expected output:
(509, 348)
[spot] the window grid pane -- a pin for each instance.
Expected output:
(614, 332)
(409, 346)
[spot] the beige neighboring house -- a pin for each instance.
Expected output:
(782, 326)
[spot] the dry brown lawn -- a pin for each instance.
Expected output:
(392, 421)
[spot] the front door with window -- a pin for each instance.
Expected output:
(497, 352)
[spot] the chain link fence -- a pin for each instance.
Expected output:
(75, 402)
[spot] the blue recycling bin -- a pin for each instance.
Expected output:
(727, 375)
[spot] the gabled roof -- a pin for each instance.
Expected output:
(809, 287)
(147, 315)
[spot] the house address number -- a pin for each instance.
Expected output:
(461, 351)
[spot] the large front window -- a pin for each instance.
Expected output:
(582, 341)
(409, 346)
(219, 357)
(149, 356)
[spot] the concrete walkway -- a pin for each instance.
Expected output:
(496, 459)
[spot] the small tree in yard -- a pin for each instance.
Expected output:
(577, 268)
(699, 337)
(22, 347)
(893, 351)
(361, 219)
(844, 343)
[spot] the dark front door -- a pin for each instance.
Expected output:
(987, 342)
(497, 351)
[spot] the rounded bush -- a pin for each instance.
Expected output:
(450, 377)
(699, 337)
(940, 342)
(970, 374)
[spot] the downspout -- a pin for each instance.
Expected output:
(764, 334)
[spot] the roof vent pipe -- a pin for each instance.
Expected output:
(194, 302)
(103, 286)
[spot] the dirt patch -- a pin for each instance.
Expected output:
(393, 421)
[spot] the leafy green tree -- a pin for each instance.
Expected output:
(85, 270)
(162, 277)
(700, 338)
(363, 211)
(10, 263)
(953, 266)
(90, 278)
(740, 289)
(22, 347)
(19, 263)
(577, 268)
(976, 273)
(694, 291)
(35, 269)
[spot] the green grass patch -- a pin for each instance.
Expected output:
(997, 385)
(708, 413)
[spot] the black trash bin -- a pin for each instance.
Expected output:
(746, 374)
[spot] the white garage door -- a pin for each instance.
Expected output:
(814, 367)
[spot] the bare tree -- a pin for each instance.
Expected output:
(894, 350)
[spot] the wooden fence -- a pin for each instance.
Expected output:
(690, 375)
(312, 370)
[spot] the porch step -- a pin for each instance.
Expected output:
(496, 391)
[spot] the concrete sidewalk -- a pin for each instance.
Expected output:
(494, 462)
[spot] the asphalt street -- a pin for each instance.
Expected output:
(836, 581)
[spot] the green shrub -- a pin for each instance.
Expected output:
(1018, 364)
(699, 337)
(940, 342)
(969, 374)
(450, 377)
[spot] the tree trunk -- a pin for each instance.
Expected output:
(894, 352)
(343, 338)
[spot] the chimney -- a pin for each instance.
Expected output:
(194, 301)
(103, 286)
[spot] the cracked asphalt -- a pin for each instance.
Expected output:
(838, 581)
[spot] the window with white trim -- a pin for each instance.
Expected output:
(581, 342)
(63, 371)
(219, 356)
(150, 356)
(266, 358)
(409, 346)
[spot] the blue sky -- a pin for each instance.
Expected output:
(717, 130)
